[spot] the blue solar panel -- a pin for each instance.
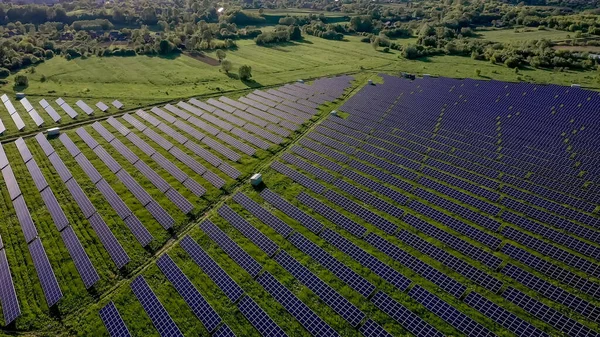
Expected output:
(262, 214)
(234, 251)
(205, 313)
(110, 243)
(327, 294)
(298, 177)
(45, 273)
(8, 296)
(259, 319)
(372, 329)
(113, 322)
(309, 320)
(409, 320)
(292, 211)
(231, 289)
(332, 215)
(80, 258)
(152, 306)
(249, 231)
(224, 331)
(338, 268)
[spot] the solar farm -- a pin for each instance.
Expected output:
(427, 207)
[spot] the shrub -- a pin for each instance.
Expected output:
(4, 73)
(226, 65)
(245, 72)
(21, 81)
(477, 72)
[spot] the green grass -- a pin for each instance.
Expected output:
(141, 81)
(522, 34)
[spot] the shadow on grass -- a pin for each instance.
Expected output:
(252, 84)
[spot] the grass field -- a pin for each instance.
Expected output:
(523, 34)
(142, 81)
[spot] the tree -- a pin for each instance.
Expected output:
(245, 72)
(295, 33)
(477, 72)
(164, 47)
(221, 54)
(4, 73)
(226, 65)
(21, 81)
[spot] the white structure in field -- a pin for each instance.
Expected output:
(256, 179)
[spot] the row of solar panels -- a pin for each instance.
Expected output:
(39, 120)
(586, 309)
(83, 264)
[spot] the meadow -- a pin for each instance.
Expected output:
(523, 34)
(143, 81)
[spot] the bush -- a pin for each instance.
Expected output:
(386, 50)
(221, 55)
(21, 81)
(226, 65)
(43, 78)
(245, 72)
(4, 73)
(477, 72)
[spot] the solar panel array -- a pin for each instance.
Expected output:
(113, 322)
(158, 314)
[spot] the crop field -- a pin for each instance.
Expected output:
(379, 223)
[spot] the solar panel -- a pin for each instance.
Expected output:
(261, 132)
(259, 319)
(292, 211)
(67, 108)
(448, 313)
(134, 122)
(131, 157)
(364, 213)
(180, 201)
(159, 213)
(225, 151)
(38, 178)
(326, 260)
(140, 194)
(110, 243)
(57, 214)
(8, 297)
(309, 320)
(547, 314)
(118, 126)
(107, 135)
(372, 329)
(249, 231)
(11, 182)
(327, 294)
(369, 199)
(502, 316)
(23, 149)
(45, 273)
(231, 289)
(107, 159)
(117, 104)
(155, 310)
(113, 199)
(140, 144)
(249, 150)
(437, 277)
(204, 126)
(224, 331)
(3, 158)
(24, 217)
(50, 110)
(103, 107)
(148, 118)
(68, 143)
(80, 258)
(451, 261)
(332, 215)
(315, 171)
(243, 259)
(87, 138)
(409, 320)
(113, 322)
(205, 313)
(214, 179)
(202, 105)
(298, 177)
(86, 108)
(188, 161)
(367, 260)
(18, 121)
(88, 168)
(190, 108)
(262, 214)
(80, 198)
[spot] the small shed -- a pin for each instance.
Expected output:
(256, 179)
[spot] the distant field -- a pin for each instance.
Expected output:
(142, 81)
(589, 49)
(509, 35)
(299, 11)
